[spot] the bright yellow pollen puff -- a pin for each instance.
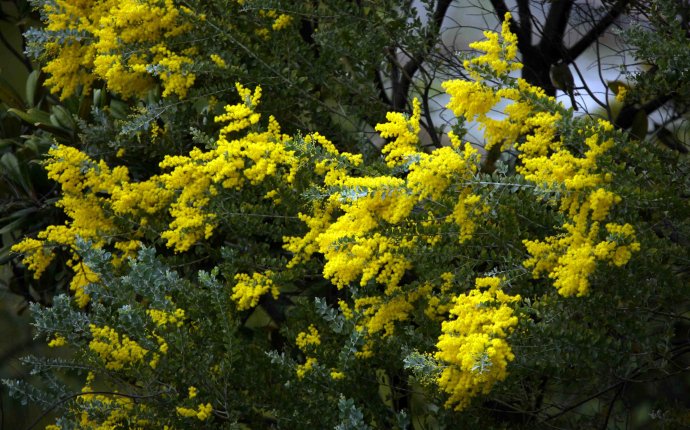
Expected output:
(37, 257)
(248, 290)
(431, 176)
(118, 409)
(163, 318)
(303, 369)
(473, 347)
(380, 314)
(202, 413)
(345, 309)
(499, 51)
(405, 130)
(117, 351)
(282, 22)
(183, 192)
(57, 342)
(219, 61)
(83, 276)
(307, 339)
(175, 77)
(113, 28)
(570, 257)
(469, 99)
(192, 392)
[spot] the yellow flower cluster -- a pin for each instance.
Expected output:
(163, 318)
(473, 345)
(85, 187)
(381, 313)
(499, 51)
(276, 22)
(218, 60)
(303, 369)
(192, 392)
(439, 300)
(281, 22)
(353, 247)
(95, 195)
(470, 99)
(120, 410)
(367, 231)
(37, 257)
(568, 258)
(231, 164)
(57, 342)
(431, 176)
(306, 341)
(116, 351)
(406, 133)
(202, 412)
(108, 31)
(308, 338)
(248, 290)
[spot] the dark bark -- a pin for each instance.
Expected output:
(403, 74)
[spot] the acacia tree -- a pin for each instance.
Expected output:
(218, 267)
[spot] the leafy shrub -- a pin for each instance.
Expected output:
(269, 279)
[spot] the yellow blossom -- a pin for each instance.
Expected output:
(202, 413)
(117, 351)
(219, 61)
(473, 344)
(248, 290)
(57, 341)
(406, 133)
(308, 338)
(281, 22)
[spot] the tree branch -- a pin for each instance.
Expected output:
(596, 31)
(525, 29)
(551, 43)
(402, 86)
(382, 90)
(500, 8)
(427, 114)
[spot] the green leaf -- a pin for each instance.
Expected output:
(32, 87)
(9, 96)
(10, 167)
(32, 116)
(21, 213)
(61, 117)
(11, 226)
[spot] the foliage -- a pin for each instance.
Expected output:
(220, 261)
